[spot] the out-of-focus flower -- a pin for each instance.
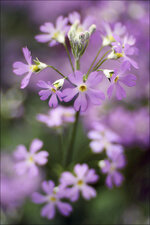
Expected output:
(54, 35)
(21, 68)
(80, 33)
(58, 117)
(14, 189)
(85, 90)
(12, 103)
(52, 199)
(122, 48)
(119, 77)
(111, 166)
(77, 183)
(108, 37)
(28, 161)
(104, 139)
(50, 90)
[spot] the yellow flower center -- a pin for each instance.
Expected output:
(119, 55)
(111, 38)
(80, 29)
(52, 199)
(34, 68)
(53, 90)
(30, 159)
(116, 79)
(82, 87)
(80, 182)
(56, 35)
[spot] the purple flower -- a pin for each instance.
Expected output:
(58, 117)
(27, 161)
(119, 77)
(85, 91)
(20, 68)
(124, 47)
(103, 138)
(111, 166)
(54, 35)
(50, 90)
(108, 36)
(79, 182)
(52, 199)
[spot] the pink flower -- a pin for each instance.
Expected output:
(54, 35)
(52, 199)
(27, 161)
(119, 78)
(49, 91)
(84, 90)
(20, 68)
(79, 182)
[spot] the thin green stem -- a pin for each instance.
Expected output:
(73, 136)
(96, 66)
(77, 62)
(69, 56)
(57, 71)
(94, 61)
(101, 63)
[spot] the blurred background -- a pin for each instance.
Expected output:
(129, 204)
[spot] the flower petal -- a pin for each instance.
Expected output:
(80, 170)
(81, 103)
(43, 38)
(27, 55)
(20, 152)
(36, 145)
(94, 79)
(47, 28)
(44, 94)
(26, 80)
(110, 90)
(64, 208)
(88, 192)
(120, 92)
(20, 68)
(95, 96)
(53, 102)
(48, 211)
(97, 146)
(38, 198)
(129, 80)
(43, 84)
(41, 158)
(48, 186)
(68, 94)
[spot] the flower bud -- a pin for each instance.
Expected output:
(58, 84)
(92, 29)
(101, 163)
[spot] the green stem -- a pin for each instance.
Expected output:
(94, 61)
(73, 136)
(101, 63)
(57, 71)
(96, 66)
(69, 56)
(77, 64)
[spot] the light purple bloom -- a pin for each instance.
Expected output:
(123, 48)
(79, 182)
(119, 77)
(54, 35)
(111, 166)
(21, 68)
(88, 21)
(52, 199)
(108, 36)
(102, 139)
(49, 91)
(57, 117)
(27, 161)
(85, 91)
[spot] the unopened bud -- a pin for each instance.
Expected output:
(58, 84)
(92, 29)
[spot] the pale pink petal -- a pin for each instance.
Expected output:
(38, 198)
(36, 145)
(47, 28)
(67, 178)
(48, 186)
(88, 192)
(69, 93)
(44, 94)
(42, 84)
(64, 208)
(53, 102)
(20, 68)
(80, 170)
(109, 181)
(33, 170)
(91, 176)
(81, 103)
(20, 152)
(95, 96)
(27, 55)
(94, 79)
(21, 167)
(97, 146)
(48, 211)
(26, 80)
(53, 43)
(120, 92)
(129, 80)
(43, 38)
(41, 158)
(110, 90)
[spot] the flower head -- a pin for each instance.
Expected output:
(77, 183)
(123, 48)
(27, 161)
(54, 35)
(58, 117)
(29, 68)
(109, 34)
(52, 199)
(118, 78)
(84, 90)
(50, 90)
(111, 166)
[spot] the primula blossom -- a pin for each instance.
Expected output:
(57, 117)
(84, 90)
(52, 199)
(54, 35)
(103, 138)
(77, 183)
(108, 36)
(123, 48)
(21, 68)
(111, 166)
(119, 78)
(27, 161)
(50, 90)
